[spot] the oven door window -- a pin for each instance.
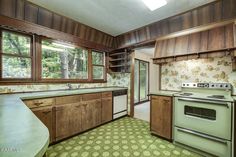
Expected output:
(204, 113)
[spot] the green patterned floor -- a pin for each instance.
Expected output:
(126, 137)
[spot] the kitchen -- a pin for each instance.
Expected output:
(117, 78)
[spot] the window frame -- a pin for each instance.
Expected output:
(31, 57)
(36, 64)
(98, 65)
(58, 79)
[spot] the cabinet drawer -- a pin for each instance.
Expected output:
(106, 94)
(68, 99)
(91, 96)
(39, 102)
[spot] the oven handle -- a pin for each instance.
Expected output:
(202, 135)
(203, 101)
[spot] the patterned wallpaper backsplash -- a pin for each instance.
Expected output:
(217, 70)
(118, 79)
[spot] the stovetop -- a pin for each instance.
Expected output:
(206, 91)
(205, 96)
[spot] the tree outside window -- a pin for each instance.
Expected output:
(98, 62)
(16, 56)
(63, 61)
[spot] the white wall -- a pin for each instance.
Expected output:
(154, 70)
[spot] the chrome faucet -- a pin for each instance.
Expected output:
(69, 86)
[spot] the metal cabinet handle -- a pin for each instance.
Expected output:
(204, 101)
(202, 135)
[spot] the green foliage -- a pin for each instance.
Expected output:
(63, 63)
(13, 66)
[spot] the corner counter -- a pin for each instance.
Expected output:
(22, 134)
(163, 93)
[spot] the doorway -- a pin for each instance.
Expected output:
(141, 81)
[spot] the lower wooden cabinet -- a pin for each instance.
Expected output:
(76, 118)
(69, 115)
(62, 120)
(161, 116)
(45, 114)
(91, 114)
(107, 109)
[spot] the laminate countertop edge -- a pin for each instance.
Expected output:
(22, 133)
(164, 93)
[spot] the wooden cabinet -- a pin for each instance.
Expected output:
(69, 115)
(45, 114)
(106, 107)
(39, 102)
(63, 114)
(91, 114)
(76, 118)
(161, 116)
(43, 109)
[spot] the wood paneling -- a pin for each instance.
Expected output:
(31, 12)
(189, 46)
(214, 12)
(161, 116)
(45, 18)
(27, 11)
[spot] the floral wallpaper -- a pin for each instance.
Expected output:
(118, 79)
(200, 70)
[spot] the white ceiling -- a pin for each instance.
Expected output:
(116, 16)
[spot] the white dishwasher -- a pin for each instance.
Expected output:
(120, 107)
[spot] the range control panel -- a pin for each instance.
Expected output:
(207, 85)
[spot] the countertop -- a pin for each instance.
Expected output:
(164, 93)
(22, 134)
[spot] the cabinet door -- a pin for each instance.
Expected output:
(75, 121)
(161, 116)
(86, 116)
(63, 113)
(96, 110)
(46, 117)
(91, 114)
(106, 110)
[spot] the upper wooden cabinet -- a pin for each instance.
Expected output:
(216, 39)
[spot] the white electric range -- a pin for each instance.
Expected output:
(204, 118)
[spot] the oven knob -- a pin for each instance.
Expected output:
(221, 86)
(183, 84)
(212, 85)
(226, 86)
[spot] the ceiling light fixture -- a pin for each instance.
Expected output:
(154, 4)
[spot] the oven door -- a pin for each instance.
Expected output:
(208, 117)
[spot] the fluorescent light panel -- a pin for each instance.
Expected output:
(154, 4)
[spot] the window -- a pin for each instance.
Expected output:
(63, 61)
(16, 56)
(98, 62)
(27, 58)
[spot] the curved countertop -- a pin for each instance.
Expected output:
(22, 134)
